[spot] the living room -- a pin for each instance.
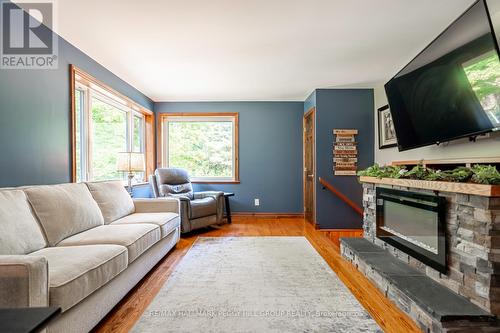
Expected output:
(259, 166)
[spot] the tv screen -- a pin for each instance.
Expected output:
(451, 89)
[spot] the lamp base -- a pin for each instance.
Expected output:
(130, 177)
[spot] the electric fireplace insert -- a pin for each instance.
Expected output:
(413, 223)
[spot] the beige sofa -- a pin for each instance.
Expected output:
(81, 247)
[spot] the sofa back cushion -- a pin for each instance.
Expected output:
(113, 199)
(20, 232)
(64, 210)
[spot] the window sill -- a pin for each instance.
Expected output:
(140, 184)
(215, 181)
(136, 184)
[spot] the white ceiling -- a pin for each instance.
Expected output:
(227, 50)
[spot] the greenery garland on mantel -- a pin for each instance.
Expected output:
(479, 174)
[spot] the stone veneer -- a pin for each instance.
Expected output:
(433, 307)
(473, 245)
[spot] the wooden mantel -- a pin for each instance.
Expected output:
(464, 188)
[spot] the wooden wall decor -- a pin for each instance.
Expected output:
(345, 152)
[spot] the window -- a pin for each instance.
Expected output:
(204, 144)
(104, 124)
(138, 134)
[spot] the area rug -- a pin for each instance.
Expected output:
(254, 284)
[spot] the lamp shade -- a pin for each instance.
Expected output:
(130, 162)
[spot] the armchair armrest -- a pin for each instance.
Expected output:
(219, 198)
(181, 198)
(156, 205)
(154, 186)
(24, 280)
(206, 194)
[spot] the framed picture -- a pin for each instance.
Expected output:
(386, 132)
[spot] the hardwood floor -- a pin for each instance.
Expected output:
(390, 318)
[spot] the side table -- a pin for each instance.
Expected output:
(227, 205)
(25, 320)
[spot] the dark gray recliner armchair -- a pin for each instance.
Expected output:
(198, 209)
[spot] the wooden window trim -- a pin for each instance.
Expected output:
(149, 119)
(163, 116)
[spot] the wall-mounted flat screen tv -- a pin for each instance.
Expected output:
(451, 90)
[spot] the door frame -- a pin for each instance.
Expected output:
(310, 113)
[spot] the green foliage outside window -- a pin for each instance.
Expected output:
(204, 148)
(137, 134)
(109, 137)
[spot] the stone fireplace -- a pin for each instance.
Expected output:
(452, 238)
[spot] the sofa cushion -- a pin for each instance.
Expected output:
(113, 199)
(20, 233)
(64, 210)
(75, 272)
(203, 207)
(166, 221)
(137, 238)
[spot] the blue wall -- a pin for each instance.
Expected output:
(35, 118)
(142, 191)
(35, 138)
(270, 153)
(347, 109)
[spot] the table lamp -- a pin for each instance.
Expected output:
(130, 162)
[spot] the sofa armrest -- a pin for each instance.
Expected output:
(24, 280)
(156, 205)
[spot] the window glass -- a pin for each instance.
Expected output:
(78, 126)
(202, 145)
(138, 134)
(109, 137)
